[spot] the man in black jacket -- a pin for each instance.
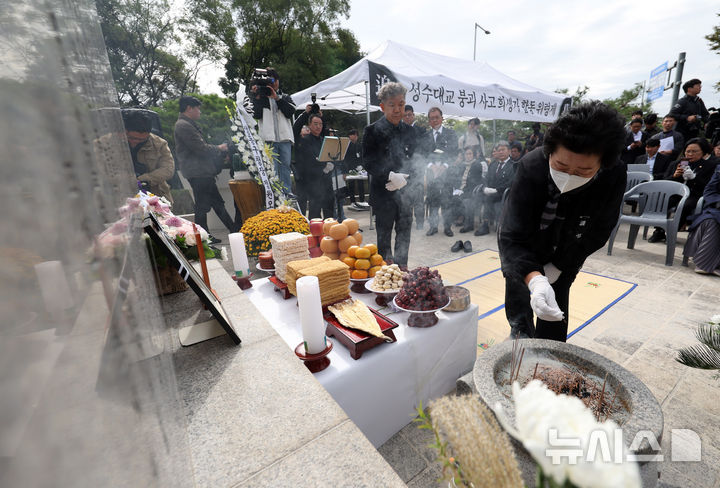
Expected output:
(313, 175)
(388, 148)
(499, 178)
(196, 163)
(668, 130)
(634, 142)
(690, 111)
(563, 204)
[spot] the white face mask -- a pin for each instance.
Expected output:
(566, 182)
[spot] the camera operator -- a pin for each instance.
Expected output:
(273, 111)
(313, 177)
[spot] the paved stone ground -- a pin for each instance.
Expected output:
(642, 332)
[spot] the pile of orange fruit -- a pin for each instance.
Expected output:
(364, 261)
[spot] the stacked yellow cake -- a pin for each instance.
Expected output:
(333, 277)
(294, 267)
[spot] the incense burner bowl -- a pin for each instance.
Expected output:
(642, 421)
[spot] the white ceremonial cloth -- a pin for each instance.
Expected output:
(379, 391)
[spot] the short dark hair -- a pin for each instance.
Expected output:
(652, 143)
(636, 121)
(510, 132)
(637, 112)
(589, 128)
(690, 83)
(409, 108)
(471, 148)
(516, 145)
(671, 116)
(474, 120)
(314, 116)
(435, 109)
(353, 132)
(702, 142)
(188, 101)
(137, 121)
(650, 119)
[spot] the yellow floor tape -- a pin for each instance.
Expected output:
(480, 273)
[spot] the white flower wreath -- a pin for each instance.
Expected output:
(267, 154)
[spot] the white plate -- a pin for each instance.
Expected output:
(270, 270)
(369, 284)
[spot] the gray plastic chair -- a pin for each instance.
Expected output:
(654, 197)
(645, 168)
(635, 178)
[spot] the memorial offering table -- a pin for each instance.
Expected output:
(380, 390)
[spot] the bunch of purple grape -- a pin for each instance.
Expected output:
(422, 290)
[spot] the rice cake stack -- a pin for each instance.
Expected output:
(294, 267)
(291, 246)
(334, 279)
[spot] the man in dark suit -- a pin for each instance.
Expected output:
(658, 162)
(499, 178)
(668, 130)
(634, 142)
(417, 187)
(441, 146)
(388, 146)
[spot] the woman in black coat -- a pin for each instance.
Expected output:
(562, 206)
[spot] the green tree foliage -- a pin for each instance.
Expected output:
(628, 101)
(302, 39)
(214, 121)
(714, 40)
(141, 38)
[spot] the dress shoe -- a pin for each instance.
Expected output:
(483, 230)
(700, 271)
(658, 235)
(214, 240)
(466, 229)
(449, 232)
(467, 245)
(457, 246)
(433, 230)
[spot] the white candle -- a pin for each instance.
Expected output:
(311, 318)
(239, 255)
(53, 286)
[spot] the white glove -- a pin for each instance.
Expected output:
(457, 193)
(489, 191)
(398, 179)
(688, 174)
(542, 300)
(328, 168)
(390, 186)
(551, 272)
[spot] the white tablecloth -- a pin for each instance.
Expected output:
(380, 391)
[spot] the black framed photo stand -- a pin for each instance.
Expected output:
(195, 281)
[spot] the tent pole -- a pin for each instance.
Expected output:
(367, 103)
(494, 133)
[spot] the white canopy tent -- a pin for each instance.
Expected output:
(461, 88)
